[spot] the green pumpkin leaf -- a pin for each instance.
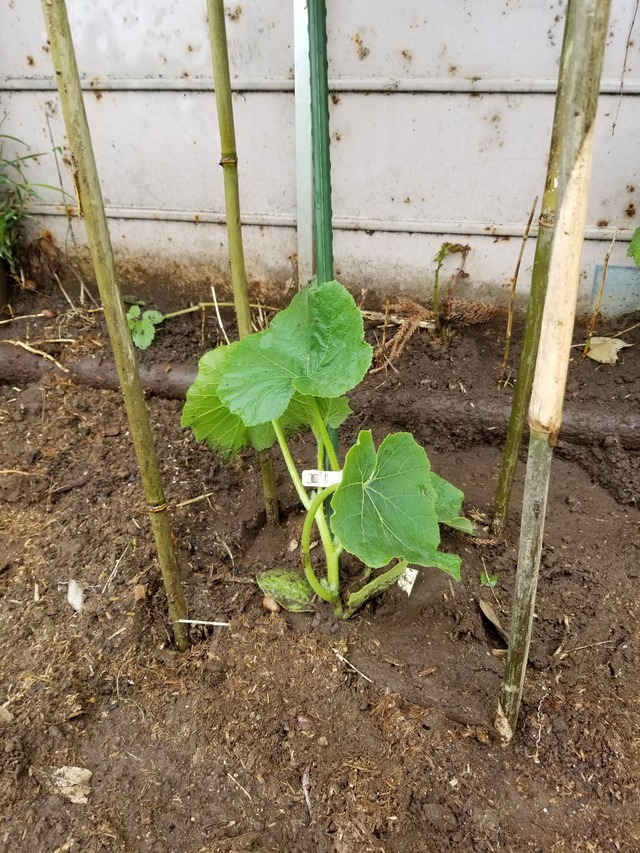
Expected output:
(210, 419)
(334, 411)
(449, 505)
(385, 506)
(290, 590)
(214, 423)
(314, 347)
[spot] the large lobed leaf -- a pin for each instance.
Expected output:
(213, 422)
(449, 505)
(385, 506)
(315, 347)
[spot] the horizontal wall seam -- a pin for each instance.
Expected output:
(463, 85)
(341, 223)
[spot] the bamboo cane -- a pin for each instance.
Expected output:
(585, 36)
(91, 204)
(229, 163)
(533, 321)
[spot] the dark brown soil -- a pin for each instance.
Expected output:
(214, 750)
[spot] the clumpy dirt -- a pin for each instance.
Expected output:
(303, 733)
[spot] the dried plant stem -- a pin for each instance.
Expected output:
(512, 298)
(596, 310)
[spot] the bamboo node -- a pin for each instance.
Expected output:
(229, 161)
(157, 507)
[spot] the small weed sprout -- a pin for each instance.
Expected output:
(142, 325)
(386, 504)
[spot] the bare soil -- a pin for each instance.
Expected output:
(262, 737)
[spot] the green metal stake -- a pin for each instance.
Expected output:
(229, 163)
(92, 207)
(320, 139)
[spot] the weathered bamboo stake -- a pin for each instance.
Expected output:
(92, 208)
(229, 163)
(537, 293)
(585, 36)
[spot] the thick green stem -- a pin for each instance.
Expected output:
(324, 439)
(291, 467)
(316, 513)
(229, 163)
(91, 203)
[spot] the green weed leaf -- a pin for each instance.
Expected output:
(634, 247)
(488, 580)
(143, 332)
(385, 506)
(155, 317)
(314, 347)
(290, 590)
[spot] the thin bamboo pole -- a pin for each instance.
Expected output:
(585, 36)
(92, 207)
(229, 163)
(533, 321)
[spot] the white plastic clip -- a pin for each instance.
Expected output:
(320, 479)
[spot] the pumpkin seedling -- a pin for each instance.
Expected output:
(386, 503)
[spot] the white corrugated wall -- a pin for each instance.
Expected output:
(440, 121)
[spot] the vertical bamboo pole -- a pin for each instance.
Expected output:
(585, 36)
(537, 294)
(90, 200)
(229, 163)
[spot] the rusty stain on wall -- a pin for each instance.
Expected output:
(361, 48)
(234, 14)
